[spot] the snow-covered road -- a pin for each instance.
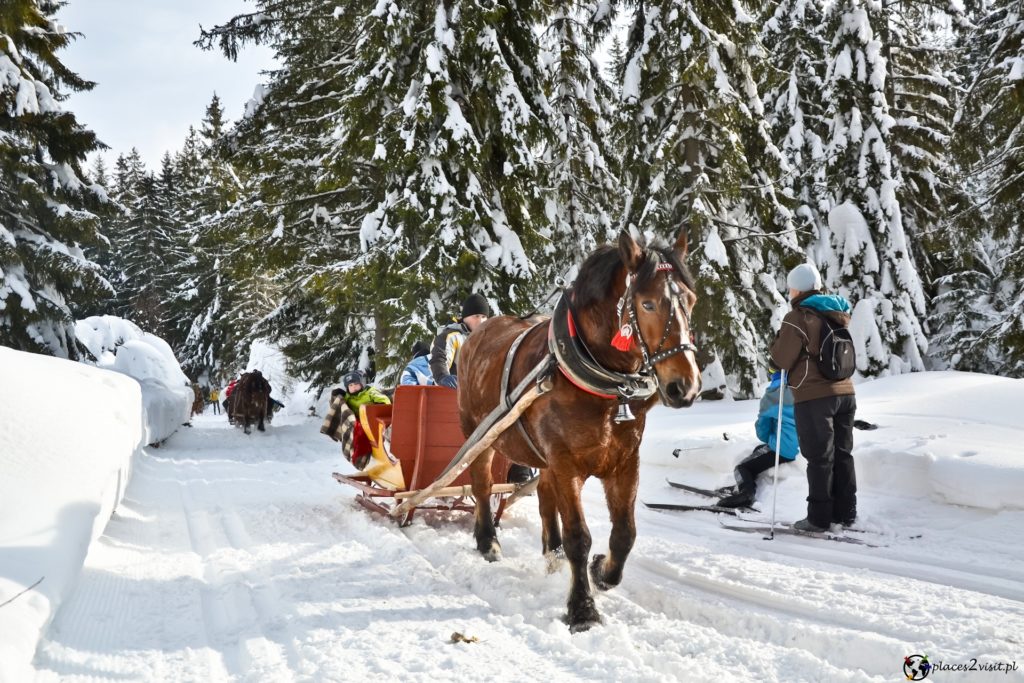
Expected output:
(239, 558)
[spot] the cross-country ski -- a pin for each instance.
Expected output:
(677, 507)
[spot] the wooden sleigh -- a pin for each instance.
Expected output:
(425, 435)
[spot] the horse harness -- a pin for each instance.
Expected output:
(570, 354)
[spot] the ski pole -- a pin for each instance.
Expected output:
(677, 451)
(778, 448)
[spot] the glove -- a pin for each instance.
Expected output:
(450, 381)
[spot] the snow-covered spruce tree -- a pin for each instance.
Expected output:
(921, 94)
(420, 183)
(449, 109)
(864, 252)
(178, 260)
(101, 252)
(147, 245)
(982, 323)
(793, 90)
(210, 306)
(46, 208)
(124, 193)
(973, 312)
(581, 160)
(698, 154)
(190, 297)
(99, 173)
(306, 198)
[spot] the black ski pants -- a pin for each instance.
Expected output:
(824, 427)
(746, 472)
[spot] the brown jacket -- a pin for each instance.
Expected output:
(800, 333)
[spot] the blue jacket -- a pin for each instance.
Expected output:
(417, 372)
(767, 416)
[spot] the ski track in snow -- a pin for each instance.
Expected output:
(238, 558)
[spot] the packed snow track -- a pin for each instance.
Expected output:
(238, 558)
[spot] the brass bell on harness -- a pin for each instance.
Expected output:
(624, 414)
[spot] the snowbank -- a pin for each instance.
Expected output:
(965, 440)
(67, 436)
(952, 437)
(120, 345)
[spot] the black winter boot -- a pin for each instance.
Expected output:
(742, 498)
(519, 474)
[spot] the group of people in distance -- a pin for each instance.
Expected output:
(273, 405)
(817, 412)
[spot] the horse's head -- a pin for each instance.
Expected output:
(658, 298)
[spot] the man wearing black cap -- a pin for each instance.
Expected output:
(444, 354)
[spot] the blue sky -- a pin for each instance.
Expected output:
(152, 83)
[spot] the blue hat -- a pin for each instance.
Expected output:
(354, 377)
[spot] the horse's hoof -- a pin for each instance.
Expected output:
(595, 574)
(492, 553)
(583, 617)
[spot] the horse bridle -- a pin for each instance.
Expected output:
(679, 314)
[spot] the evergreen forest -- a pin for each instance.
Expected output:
(402, 155)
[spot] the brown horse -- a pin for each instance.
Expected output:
(582, 426)
(249, 400)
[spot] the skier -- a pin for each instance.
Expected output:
(763, 456)
(824, 408)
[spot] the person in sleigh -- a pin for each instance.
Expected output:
(342, 420)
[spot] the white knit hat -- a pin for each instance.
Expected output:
(804, 278)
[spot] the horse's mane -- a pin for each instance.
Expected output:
(596, 273)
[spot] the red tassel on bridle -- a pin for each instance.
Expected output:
(623, 339)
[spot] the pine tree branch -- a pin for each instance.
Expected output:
(756, 235)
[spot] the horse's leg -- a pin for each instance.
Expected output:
(263, 412)
(620, 492)
(547, 502)
(576, 539)
(484, 531)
